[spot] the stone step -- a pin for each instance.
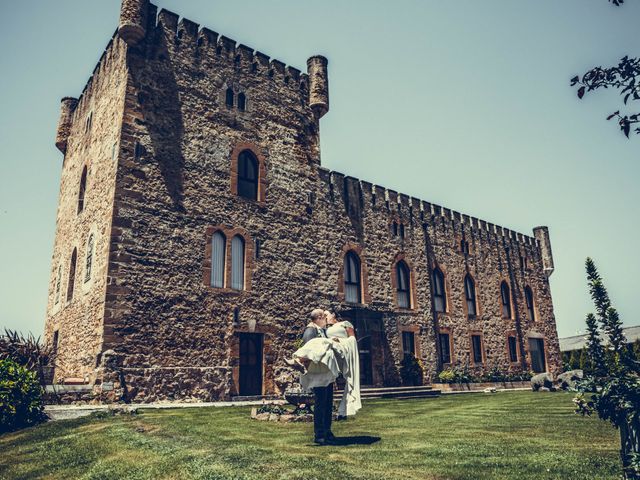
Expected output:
(393, 389)
(421, 391)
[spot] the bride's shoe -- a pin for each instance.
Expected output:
(297, 364)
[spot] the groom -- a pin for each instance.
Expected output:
(323, 405)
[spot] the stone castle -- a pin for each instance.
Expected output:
(196, 229)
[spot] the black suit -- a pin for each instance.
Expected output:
(323, 405)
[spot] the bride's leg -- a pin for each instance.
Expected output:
(299, 363)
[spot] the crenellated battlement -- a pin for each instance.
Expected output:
(203, 41)
(71, 108)
(382, 198)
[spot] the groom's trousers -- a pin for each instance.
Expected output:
(322, 411)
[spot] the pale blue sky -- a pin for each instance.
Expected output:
(463, 103)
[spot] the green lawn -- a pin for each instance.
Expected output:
(519, 435)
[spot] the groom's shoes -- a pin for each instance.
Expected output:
(323, 441)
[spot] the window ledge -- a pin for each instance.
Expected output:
(355, 304)
(227, 290)
(405, 310)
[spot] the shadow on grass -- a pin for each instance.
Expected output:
(355, 440)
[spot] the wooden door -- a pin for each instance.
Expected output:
(536, 349)
(250, 364)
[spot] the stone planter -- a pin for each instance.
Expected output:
(287, 417)
(299, 398)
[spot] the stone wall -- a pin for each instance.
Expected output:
(162, 331)
(91, 141)
(361, 215)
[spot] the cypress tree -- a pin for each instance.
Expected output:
(609, 319)
(615, 395)
(574, 360)
(636, 350)
(594, 347)
(584, 360)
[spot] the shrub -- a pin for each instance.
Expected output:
(20, 397)
(495, 375)
(447, 376)
(411, 370)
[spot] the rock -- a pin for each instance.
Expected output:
(567, 380)
(542, 380)
(544, 389)
(273, 417)
(302, 418)
(262, 416)
(286, 418)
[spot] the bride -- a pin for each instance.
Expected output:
(322, 360)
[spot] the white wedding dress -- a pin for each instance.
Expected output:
(330, 358)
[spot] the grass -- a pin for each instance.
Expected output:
(519, 435)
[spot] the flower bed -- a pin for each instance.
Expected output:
(282, 413)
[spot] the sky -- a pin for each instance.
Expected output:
(464, 103)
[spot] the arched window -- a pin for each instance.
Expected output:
(248, 175)
(439, 293)
(352, 289)
(89, 259)
(403, 285)
(237, 263)
(83, 188)
(528, 295)
(242, 102)
(72, 275)
(505, 295)
(218, 249)
(229, 97)
(470, 295)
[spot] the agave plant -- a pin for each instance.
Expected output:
(27, 351)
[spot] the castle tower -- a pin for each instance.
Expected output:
(133, 20)
(146, 187)
(67, 107)
(318, 84)
(542, 236)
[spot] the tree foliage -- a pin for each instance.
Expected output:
(613, 391)
(594, 347)
(624, 77)
(20, 397)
